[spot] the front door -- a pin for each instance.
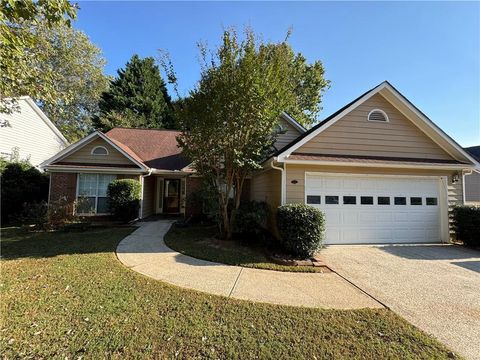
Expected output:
(171, 201)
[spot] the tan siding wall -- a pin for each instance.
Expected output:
(265, 186)
(472, 188)
(290, 134)
(83, 155)
(148, 196)
(354, 135)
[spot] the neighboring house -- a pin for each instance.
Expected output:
(29, 134)
(472, 180)
(379, 168)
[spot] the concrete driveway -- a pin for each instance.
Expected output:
(436, 288)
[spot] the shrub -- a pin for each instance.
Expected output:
(124, 199)
(61, 212)
(251, 218)
(35, 214)
(301, 229)
(466, 223)
(21, 184)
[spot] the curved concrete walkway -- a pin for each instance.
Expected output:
(144, 251)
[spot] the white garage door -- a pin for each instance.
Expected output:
(376, 209)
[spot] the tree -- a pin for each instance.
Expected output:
(229, 119)
(138, 97)
(59, 68)
(18, 21)
(76, 71)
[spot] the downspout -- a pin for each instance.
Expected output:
(283, 182)
(142, 180)
(465, 173)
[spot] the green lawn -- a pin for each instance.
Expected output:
(200, 242)
(65, 295)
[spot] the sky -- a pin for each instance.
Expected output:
(430, 51)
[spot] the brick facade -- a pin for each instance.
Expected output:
(63, 185)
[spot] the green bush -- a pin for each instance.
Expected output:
(251, 218)
(22, 184)
(301, 229)
(124, 199)
(466, 223)
(35, 214)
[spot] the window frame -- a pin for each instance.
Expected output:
(99, 147)
(91, 196)
(387, 120)
(314, 203)
(332, 196)
(365, 197)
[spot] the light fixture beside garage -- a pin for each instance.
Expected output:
(294, 182)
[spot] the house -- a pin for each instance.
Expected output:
(29, 134)
(472, 180)
(379, 168)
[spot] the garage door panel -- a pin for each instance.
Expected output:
(378, 222)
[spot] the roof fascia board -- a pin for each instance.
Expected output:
(61, 154)
(293, 122)
(65, 152)
(309, 137)
(107, 139)
(379, 165)
(66, 168)
(431, 125)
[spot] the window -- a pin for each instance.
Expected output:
(432, 201)
(400, 200)
(99, 150)
(383, 200)
(313, 199)
(332, 200)
(92, 193)
(366, 200)
(377, 115)
(415, 201)
(349, 200)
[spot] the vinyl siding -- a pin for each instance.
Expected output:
(148, 207)
(354, 135)
(472, 188)
(84, 156)
(266, 186)
(291, 134)
(35, 140)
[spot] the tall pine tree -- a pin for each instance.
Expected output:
(137, 98)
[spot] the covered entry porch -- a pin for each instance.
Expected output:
(164, 194)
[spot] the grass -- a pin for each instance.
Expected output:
(200, 242)
(65, 295)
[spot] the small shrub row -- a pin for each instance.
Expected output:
(466, 223)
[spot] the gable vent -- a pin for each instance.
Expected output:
(377, 115)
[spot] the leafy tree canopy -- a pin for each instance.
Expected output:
(58, 67)
(138, 98)
(229, 119)
(18, 23)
